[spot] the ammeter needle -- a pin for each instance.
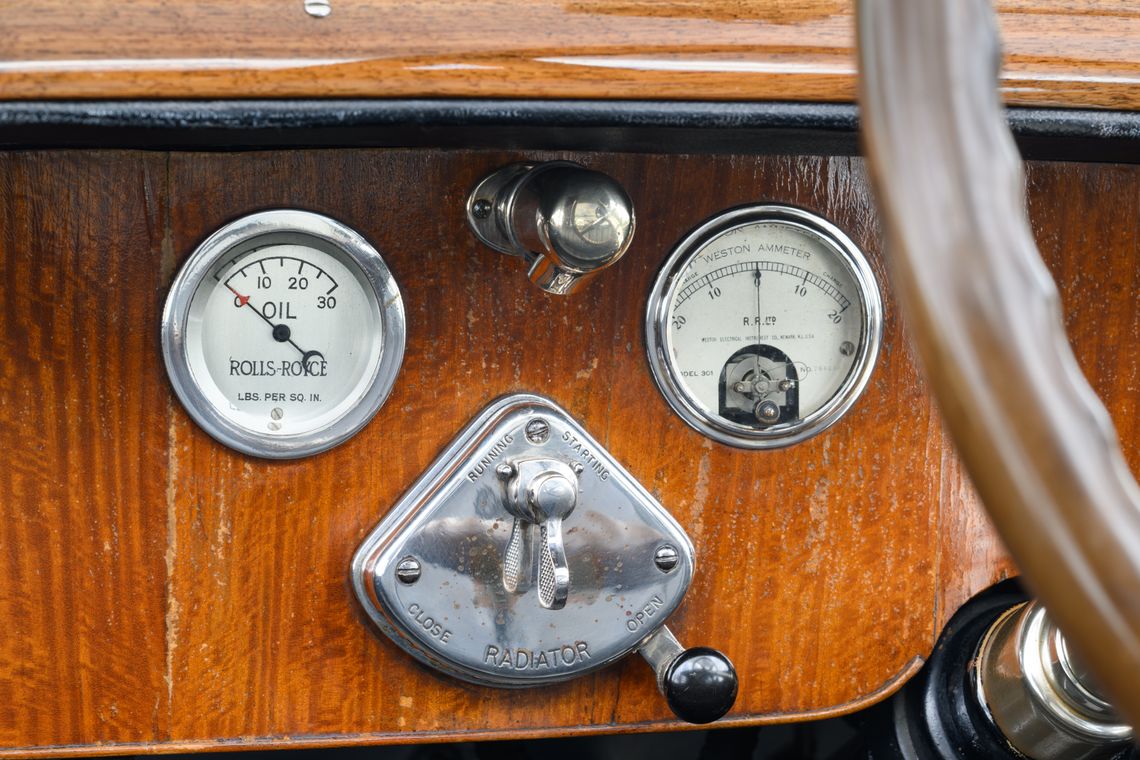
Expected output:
(756, 277)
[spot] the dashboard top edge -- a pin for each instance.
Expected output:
(706, 127)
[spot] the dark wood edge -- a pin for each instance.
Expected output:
(325, 741)
(630, 126)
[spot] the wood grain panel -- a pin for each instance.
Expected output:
(1083, 219)
(1091, 244)
(1070, 53)
(83, 515)
(224, 616)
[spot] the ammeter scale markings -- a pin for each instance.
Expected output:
(763, 266)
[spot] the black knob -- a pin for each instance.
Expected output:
(700, 685)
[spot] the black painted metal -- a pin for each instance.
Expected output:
(1077, 135)
(639, 126)
(937, 714)
(554, 125)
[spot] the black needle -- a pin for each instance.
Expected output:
(756, 277)
(281, 332)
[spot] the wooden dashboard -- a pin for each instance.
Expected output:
(1059, 53)
(164, 593)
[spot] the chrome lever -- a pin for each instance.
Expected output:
(517, 557)
(553, 497)
(539, 492)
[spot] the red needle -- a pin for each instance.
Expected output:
(242, 300)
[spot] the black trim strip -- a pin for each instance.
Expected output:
(638, 126)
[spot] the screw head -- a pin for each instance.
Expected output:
(767, 412)
(481, 208)
(408, 570)
(505, 471)
(846, 348)
(666, 557)
(537, 430)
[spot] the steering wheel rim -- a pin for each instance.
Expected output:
(985, 315)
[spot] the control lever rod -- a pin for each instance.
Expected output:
(699, 684)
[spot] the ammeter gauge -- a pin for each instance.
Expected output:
(283, 333)
(763, 326)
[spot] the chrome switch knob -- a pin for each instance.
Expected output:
(552, 497)
(540, 492)
(567, 221)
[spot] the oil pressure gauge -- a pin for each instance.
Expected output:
(763, 326)
(283, 333)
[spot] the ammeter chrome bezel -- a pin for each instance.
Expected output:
(277, 227)
(660, 349)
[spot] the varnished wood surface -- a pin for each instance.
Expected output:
(164, 593)
(987, 319)
(84, 478)
(1070, 53)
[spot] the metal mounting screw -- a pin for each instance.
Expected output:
(767, 412)
(665, 558)
(505, 471)
(537, 430)
(481, 209)
(577, 467)
(408, 570)
(846, 348)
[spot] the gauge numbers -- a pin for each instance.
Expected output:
(763, 326)
(283, 333)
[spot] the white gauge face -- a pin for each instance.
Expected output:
(283, 334)
(763, 326)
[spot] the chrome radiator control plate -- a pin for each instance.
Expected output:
(431, 574)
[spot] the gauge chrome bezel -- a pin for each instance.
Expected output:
(659, 345)
(275, 227)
